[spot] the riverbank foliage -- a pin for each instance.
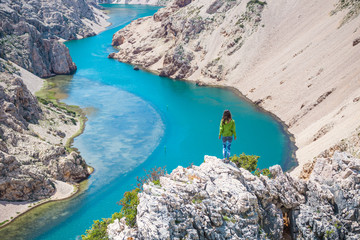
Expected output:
(128, 204)
(49, 97)
(97, 231)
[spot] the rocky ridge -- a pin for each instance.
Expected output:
(295, 59)
(30, 32)
(32, 142)
(220, 201)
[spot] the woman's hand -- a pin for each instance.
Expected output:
(219, 137)
(235, 138)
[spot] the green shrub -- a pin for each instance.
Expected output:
(265, 172)
(197, 199)
(228, 219)
(97, 231)
(256, 2)
(2, 223)
(329, 233)
(157, 182)
(129, 204)
(248, 162)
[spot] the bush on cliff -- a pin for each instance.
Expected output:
(97, 231)
(129, 204)
(249, 162)
(265, 172)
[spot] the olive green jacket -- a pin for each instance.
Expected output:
(227, 129)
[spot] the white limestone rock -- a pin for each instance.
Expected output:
(220, 201)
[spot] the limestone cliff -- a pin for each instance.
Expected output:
(30, 30)
(297, 59)
(32, 142)
(220, 201)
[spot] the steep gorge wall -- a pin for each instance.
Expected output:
(34, 136)
(32, 139)
(296, 59)
(29, 32)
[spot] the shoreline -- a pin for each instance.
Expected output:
(11, 210)
(64, 190)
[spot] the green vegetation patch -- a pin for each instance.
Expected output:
(352, 6)
(249, 162)
(229, 219)
(157, 182)
(265, 172)
(128, 204)
(97, 231)
(329, 233)
(2, 223)
(50, 95)
(253, 2)
(197, 199)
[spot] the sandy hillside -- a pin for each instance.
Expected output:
(293, 58)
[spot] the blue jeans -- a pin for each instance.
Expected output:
(226, 146)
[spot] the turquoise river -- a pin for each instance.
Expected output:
(136, 121)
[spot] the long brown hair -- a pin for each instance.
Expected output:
(226, 117)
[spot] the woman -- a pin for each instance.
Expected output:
(227, 130)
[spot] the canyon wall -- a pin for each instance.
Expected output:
(32, 141)
(296, 59)
(34, 136)
(30, 32)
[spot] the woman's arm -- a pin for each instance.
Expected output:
(234, 130)
(221, 129)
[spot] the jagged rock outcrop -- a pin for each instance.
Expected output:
(29, 160)
(220, 201)
(30, 30)
(296, 59)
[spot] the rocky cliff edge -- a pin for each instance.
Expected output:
(220, 201)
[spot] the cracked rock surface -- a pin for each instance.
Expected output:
(220, 201)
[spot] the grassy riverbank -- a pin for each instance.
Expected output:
(51, 95)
